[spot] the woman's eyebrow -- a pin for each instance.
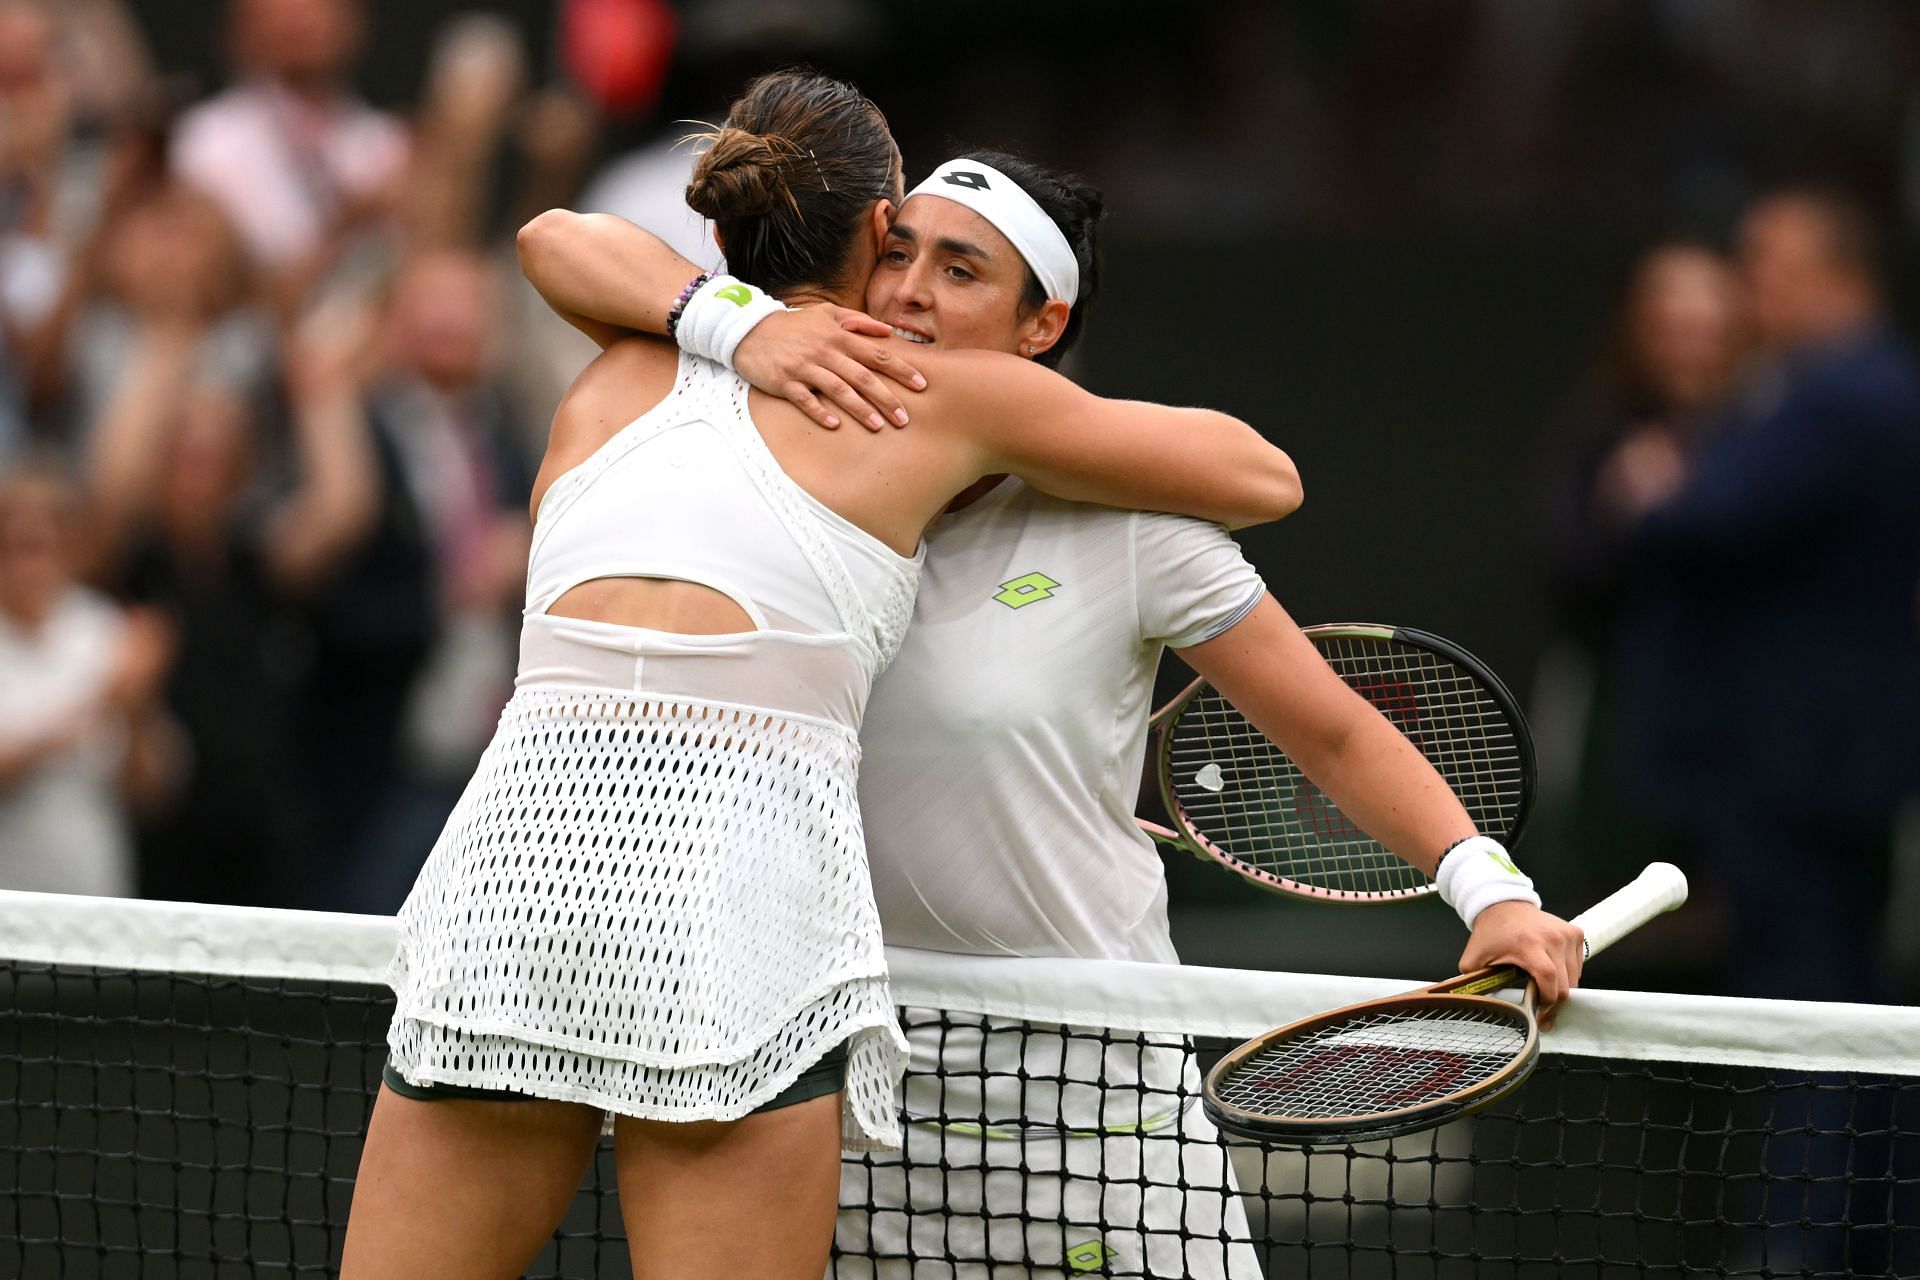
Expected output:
(946, 244)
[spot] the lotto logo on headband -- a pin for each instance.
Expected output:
(1016, 215)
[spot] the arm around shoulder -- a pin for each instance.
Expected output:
(601, 273)
(1066, 441)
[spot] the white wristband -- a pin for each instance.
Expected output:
(1476, 873)
(720, 313)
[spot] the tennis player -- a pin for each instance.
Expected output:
(1003, 753)
(653, 898)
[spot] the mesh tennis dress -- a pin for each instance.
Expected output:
(653, 896)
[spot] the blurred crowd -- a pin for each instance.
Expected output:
(1736, 544)
(268, 421)
(271, 392)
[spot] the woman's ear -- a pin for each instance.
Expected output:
(1044, 328)
(717, 239)
(880, 222)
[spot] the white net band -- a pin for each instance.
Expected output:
(1226, 1003)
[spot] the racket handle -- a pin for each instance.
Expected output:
(1660, 888)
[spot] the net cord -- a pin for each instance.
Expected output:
(1231, 1004)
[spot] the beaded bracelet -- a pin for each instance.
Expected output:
(680, 304)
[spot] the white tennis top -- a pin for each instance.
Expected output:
(653, 896)
(1004, 746)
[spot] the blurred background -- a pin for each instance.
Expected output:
(1585, 323)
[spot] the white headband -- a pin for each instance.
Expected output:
(1015, 215)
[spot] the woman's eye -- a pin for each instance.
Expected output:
(896, 255)
(959, 273)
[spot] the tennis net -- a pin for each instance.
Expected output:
(183, 1090)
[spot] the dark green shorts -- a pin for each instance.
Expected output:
(828, 1075)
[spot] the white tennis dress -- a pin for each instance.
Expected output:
(653, 897)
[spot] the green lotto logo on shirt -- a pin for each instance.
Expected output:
(1022, 592)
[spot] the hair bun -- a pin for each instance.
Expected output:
(740, 175)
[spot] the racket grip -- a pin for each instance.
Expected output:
(1660, 888)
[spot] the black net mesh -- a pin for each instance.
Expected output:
(156, 1126)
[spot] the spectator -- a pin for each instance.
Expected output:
(171, 261)
(301, 165)
(75, 674)
(71, 149)
(1784, 557)
(647, 185)
(34, 128)
(1679, 342)
(416, 643)
(1676, 349)
(490, 154)
(13, 405)
(172, 468)
(474, 81)
(106, 61)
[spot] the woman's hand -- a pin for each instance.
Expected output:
(142, 662)
(1521, 934)
(828, 351)
(1643, 472)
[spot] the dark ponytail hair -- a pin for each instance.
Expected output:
(790, 178)
(1076, 207)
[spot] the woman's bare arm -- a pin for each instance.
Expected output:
(601, 274)
(1022, 419)
(610, 279)
(336, 497)
(1272, 673)
(126, 445)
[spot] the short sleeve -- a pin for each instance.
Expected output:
(1191, 580)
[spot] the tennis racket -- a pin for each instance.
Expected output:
(1412, 1061)
(1237, 800)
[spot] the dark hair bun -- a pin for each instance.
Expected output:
(791, 181)
(741, 175)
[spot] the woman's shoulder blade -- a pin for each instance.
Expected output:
(623, 382)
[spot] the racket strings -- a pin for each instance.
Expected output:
(1249, 800)
(1373, 1063)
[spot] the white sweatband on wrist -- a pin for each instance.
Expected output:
(1476, 873)
(720, 313)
